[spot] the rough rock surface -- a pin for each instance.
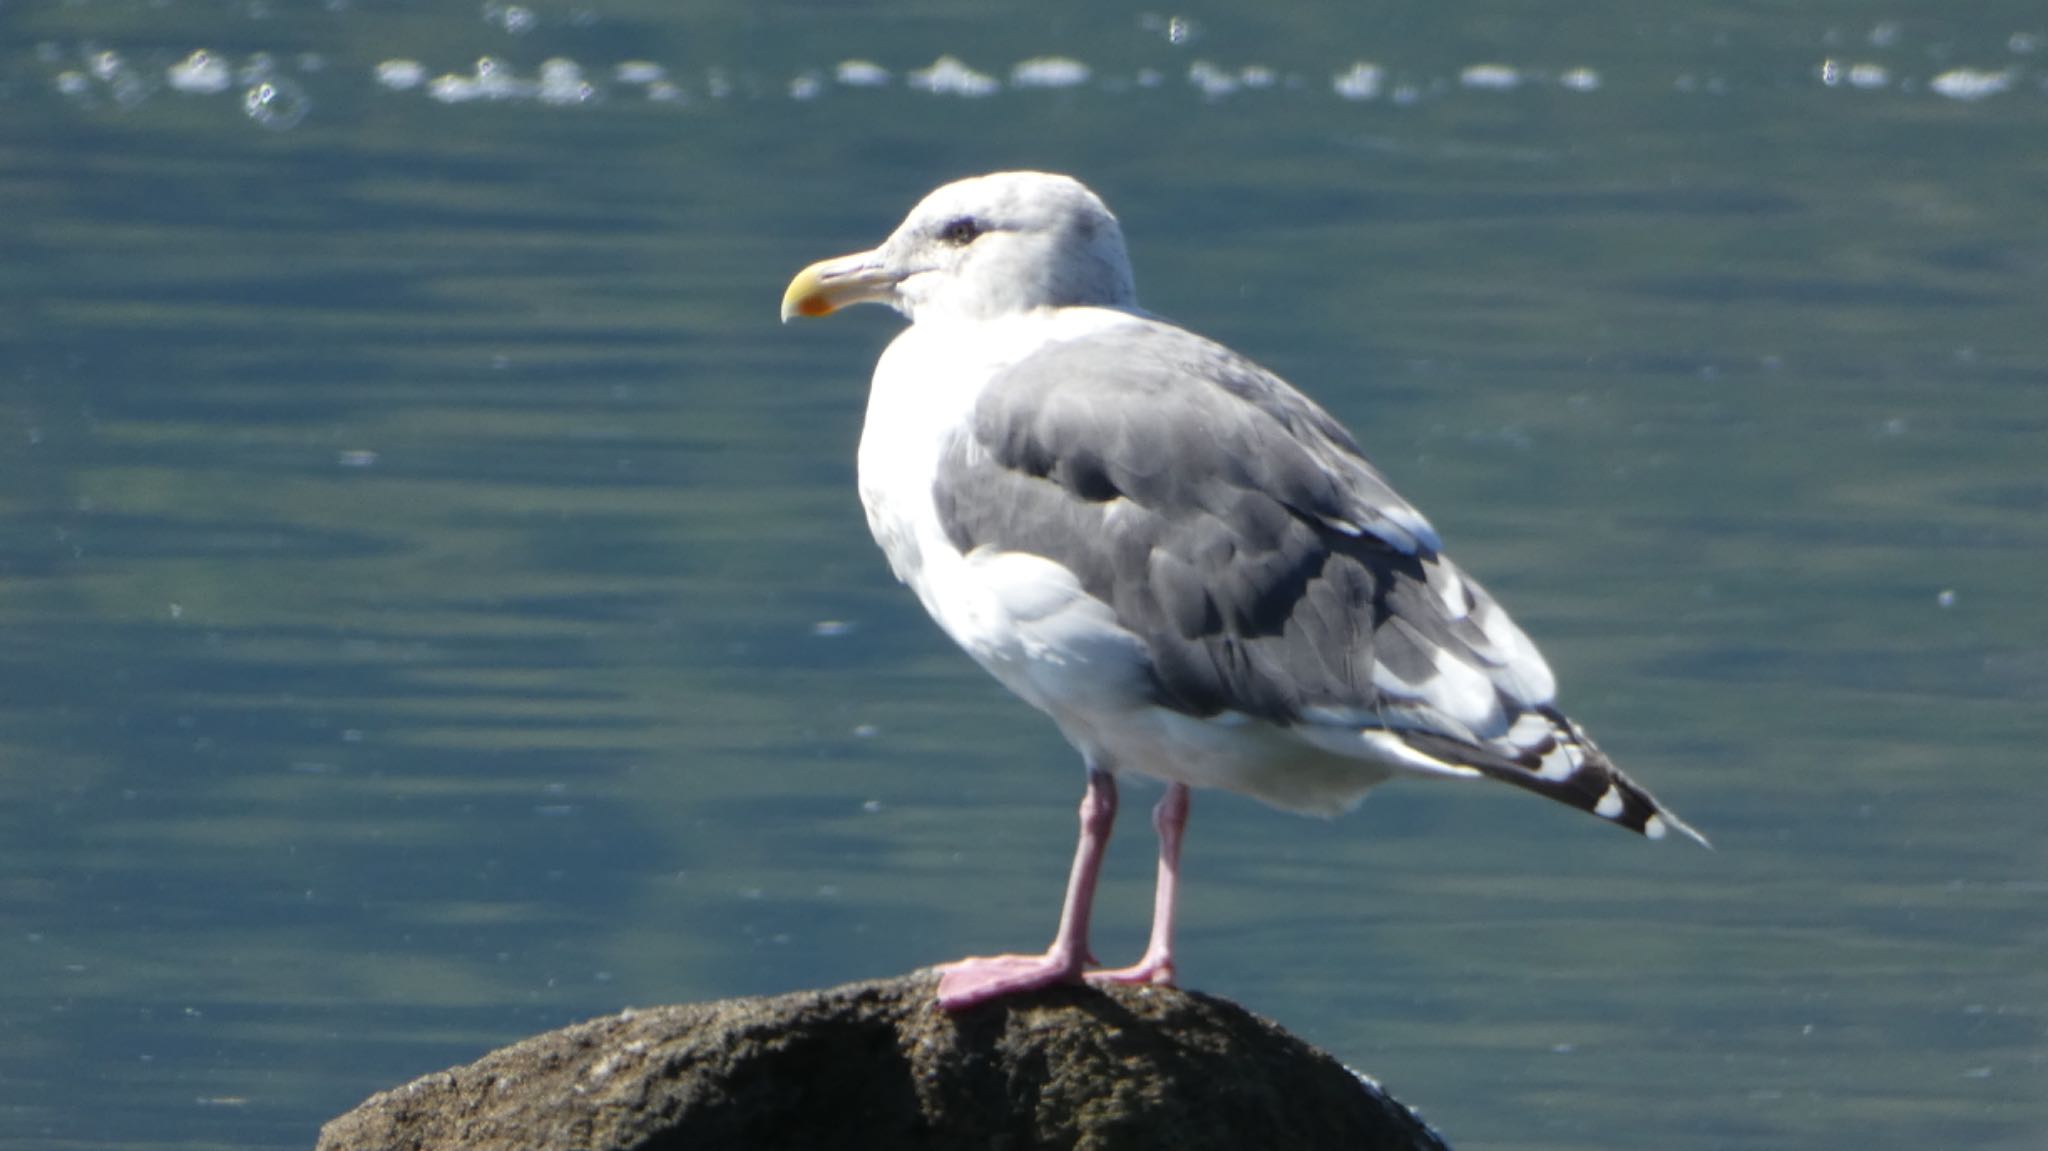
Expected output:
(876, 1065)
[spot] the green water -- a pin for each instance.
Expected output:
(434, 606)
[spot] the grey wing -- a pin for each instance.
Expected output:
(1264, 565)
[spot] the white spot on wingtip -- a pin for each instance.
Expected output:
(1559, 764)
(1529, 729)
(1610, 803)
(1654, 827)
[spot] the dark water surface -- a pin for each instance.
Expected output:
(434, 606)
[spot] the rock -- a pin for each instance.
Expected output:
(876, 1065)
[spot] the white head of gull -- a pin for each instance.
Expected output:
(1182, 560)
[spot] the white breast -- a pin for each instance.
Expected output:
(1024, 618)
(924, 391)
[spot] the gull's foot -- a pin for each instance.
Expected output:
(982, 978)
(1156, 970)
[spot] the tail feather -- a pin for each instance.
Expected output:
(1547, 753)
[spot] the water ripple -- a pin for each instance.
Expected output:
(92, 76)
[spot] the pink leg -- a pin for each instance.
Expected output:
(982, 978)
(1169, 819)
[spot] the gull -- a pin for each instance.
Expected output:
(1183, 561)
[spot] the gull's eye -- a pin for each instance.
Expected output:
(960, 232)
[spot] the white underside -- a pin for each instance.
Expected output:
(1027, 620)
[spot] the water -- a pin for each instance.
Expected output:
(436, 608)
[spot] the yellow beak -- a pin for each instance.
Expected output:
(829, 285)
